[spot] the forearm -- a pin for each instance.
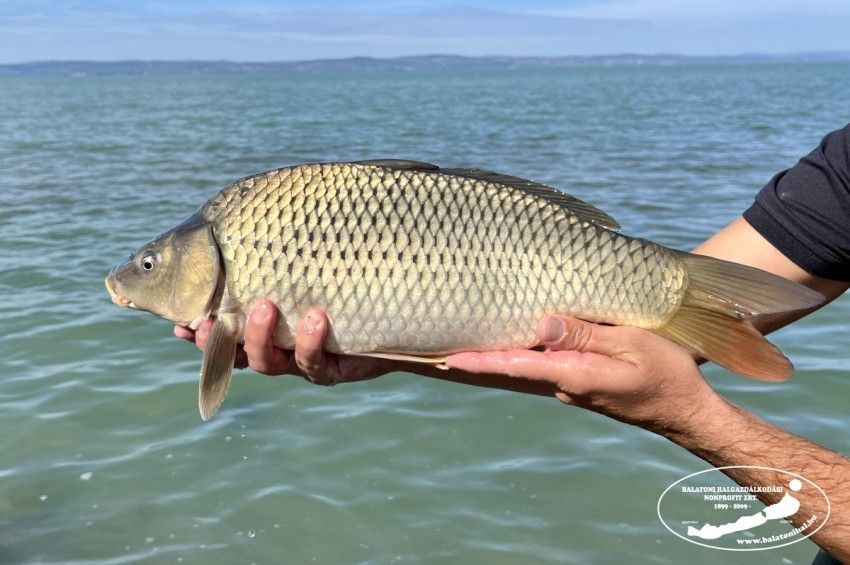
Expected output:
(740, 243)
(725, 435)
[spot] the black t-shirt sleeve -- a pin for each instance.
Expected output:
(805, 211)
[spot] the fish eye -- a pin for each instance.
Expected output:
(148, 263)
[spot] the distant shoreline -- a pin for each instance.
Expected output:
(409, 63)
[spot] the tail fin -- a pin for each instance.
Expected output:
(713, 317)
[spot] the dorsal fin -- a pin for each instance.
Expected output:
(400, 164)
(580, 208)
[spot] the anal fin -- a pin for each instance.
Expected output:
(217, 366)
(432, 360)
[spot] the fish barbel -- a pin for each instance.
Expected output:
(411, 261)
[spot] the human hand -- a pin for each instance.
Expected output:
(626, 373)
(308, 360)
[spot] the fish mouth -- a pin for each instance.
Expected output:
(116, 296)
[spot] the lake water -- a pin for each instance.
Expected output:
(103, 457)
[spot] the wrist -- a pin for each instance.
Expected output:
(707, 418)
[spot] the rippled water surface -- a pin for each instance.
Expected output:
(103, 458)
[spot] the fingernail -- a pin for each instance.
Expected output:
(311, 323)
(462, 361)
(262, 313)
(554, 330)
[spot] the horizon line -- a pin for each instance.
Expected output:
(746, 54)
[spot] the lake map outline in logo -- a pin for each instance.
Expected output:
(708, 509)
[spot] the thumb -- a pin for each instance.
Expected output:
(565, 333)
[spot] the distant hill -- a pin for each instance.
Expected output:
(75, 68)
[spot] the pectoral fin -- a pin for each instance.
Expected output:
(217, 366)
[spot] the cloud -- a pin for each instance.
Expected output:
(699, 10)
(105, 30)
(300, 34)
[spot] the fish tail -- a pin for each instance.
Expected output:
(714, 318)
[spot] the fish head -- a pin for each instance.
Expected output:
(175, 276)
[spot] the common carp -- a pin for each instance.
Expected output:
(412, 261)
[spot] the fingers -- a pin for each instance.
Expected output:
(574, 347)
(259, 334)
(202, 334)
(262, 355)
(549, 366)
(565, 398)
(184, 333)
(573, 373)
(309, 342)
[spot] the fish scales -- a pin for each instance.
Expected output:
(415, 262)
(426, 262)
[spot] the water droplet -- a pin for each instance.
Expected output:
(228, 438)
(277, 526)
(43, 497)
(252, 534)
(149, 539)
(244, 457)
(86, 476)
(169, 456)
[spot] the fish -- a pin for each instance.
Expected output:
(415, 262)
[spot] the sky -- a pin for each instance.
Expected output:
(264, 30)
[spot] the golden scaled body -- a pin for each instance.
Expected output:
(428, 262)
(413, 261)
